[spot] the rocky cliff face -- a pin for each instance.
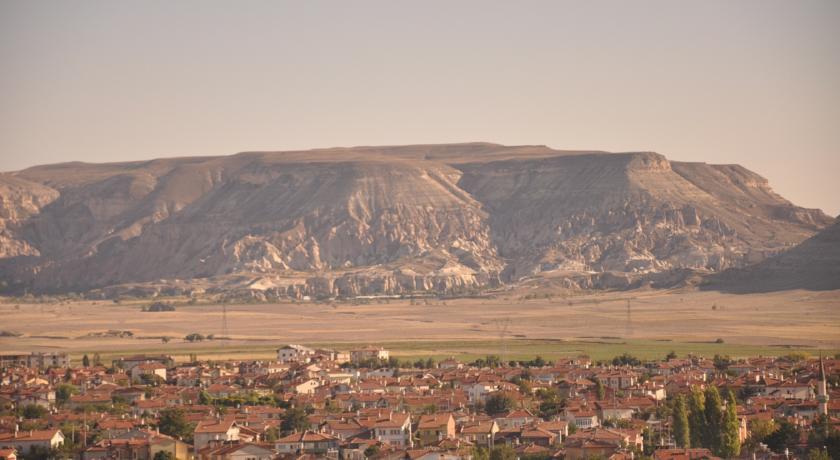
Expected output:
(382, 220)
(19, 200)
(632, 212)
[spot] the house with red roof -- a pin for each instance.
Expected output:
(433, 428)
(395, 430)
(307, 442)
(207, 431)
(237, 451)
(25, 441)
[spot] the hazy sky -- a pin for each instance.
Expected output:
(749, 82)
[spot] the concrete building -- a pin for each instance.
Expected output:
(294, 354)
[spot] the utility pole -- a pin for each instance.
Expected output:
(502, 328)
(224, 324)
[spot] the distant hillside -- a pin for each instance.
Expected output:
(814, 265)
(381, 220)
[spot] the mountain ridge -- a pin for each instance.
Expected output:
(383, 220)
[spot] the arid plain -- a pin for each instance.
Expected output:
(643, 322)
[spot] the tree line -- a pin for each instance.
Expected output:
(704, 420)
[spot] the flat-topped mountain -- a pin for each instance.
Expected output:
(382, 220)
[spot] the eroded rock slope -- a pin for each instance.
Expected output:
(382, 220)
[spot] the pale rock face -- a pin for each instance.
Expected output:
(632, 212)
(384, 220)
(19, 200)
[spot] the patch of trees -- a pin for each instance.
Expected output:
(617, 423)
(294, 420)
(722, 363)
(39, 453)
(33, 412)
(174, 423)
(372, 363)
(626, 359)
(373, 450)
(392, 362)
(489, 361)
(194, 337)
(550, 403)
(536, 362)
(680, 423)
(272, 434)
(427, 363)
(498, 403)
(151, 379)
(158, 307)
(97, 360)
(600, 391)
(780, 435)
(63, 393)
(163, 455)
(252, 399)
(705, 421)
(824, 439)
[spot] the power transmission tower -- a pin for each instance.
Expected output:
(502, 328)
(224, 324)
(628, 329)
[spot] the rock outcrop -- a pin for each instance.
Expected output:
(383, 220)
(19, 200)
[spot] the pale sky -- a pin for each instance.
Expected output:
(749, 82)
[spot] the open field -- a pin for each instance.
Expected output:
(599, 325)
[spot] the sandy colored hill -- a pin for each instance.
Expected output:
(814, 265)
(383, 220)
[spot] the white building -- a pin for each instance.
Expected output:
(149, 369)
(25, 441)
(294, 354)
(208, 431)
(396, 430)
(365, 354)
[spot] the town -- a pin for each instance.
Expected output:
(366, 404)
